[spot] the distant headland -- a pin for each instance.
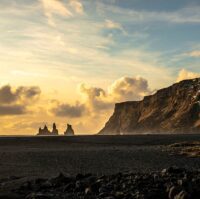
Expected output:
(172, 110)
(45, 131)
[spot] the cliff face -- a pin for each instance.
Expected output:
(175, 109)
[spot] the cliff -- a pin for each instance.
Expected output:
(175, 109)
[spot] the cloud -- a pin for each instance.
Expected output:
(9, 95)
(95, 101)
(15, 101)
(195, 53)
(57, 7)
(123, 89)
(184, 74)
(54, 7)
(12, 110)
(129, 88)
(184, 15)
(67, 110)
(109, 24)
(29, 92)
(95, 98)
(112, 25)
(66, 50)
(76, 6)
(26, 125)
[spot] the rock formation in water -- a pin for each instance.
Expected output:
(45, 130)
(69, 131)
(55, 130)
(175, 109)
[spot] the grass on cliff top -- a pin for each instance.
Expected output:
(190, 149)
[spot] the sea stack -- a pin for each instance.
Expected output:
(69, 131)
(44, 131)
(55, 130)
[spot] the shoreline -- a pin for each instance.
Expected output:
(100, 135)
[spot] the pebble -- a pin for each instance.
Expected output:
(182, 195)
(170, 183)
(174, 191)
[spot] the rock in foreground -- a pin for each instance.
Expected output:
(190, 149)
(175, 109)
(171, 183)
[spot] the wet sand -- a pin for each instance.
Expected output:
(47, 156)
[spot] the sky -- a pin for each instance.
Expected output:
(70, 61)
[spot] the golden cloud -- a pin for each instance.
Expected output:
(194, 53)
(185, 74)
(129, 88)
(57, 7)
(112, 25)
(77, 6)
(67, 110)
(96, 100)
(14, 101)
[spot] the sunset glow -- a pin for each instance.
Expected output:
(70, 61)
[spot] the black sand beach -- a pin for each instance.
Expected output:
(47, 156)
(90, 167)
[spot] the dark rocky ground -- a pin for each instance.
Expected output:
(172, 183)
(190, 149)
(121, 167)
